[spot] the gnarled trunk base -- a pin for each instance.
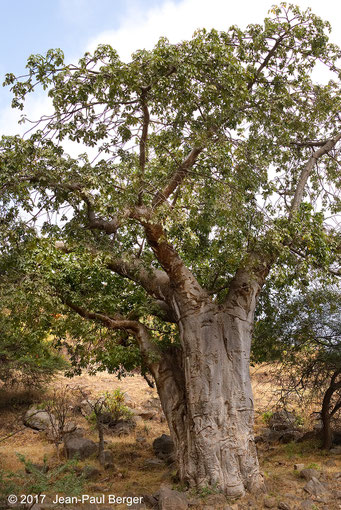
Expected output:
(206, 395)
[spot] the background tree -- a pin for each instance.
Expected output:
(28, 357)
(303, 332)
(208, 159)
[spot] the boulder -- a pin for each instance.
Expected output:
(308, 504)
(38, 419)
(90, 472)
(270, 502)
(86, 407)
(122, 427)
(81, 447)
(154, 462)
(147, 414)
(315, 488)
(150, 501)
(309, 473)
(172, 500)
(163, 446)
(290, 435)
(336, 450)
(282, 505)
(70, 427)
(282, 420)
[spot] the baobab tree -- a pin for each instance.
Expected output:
(212, 161)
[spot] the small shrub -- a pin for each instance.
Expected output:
(267, 416)
(205, 491)
(111, 407)
(58, 409)
(299, 420)
(114, 404)
(62, 479)
(313, 465)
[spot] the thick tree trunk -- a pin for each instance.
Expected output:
(206, 395)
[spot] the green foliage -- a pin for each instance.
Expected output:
(27, 313)
(313, 465)
(267, 416)
(223, 94)
(299, 420)
(113, 405)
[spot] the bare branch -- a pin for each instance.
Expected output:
(328, 146)
(143, 142)
(309, 143)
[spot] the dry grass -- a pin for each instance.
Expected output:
(130, 475)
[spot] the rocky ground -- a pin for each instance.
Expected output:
(138, 459)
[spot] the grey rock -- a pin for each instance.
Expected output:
(307, 504)
(215, 500)
(150, 501)
(282, 420)
(128, 400)
(172, 500)
(330, 463)
(282, 505)
(154, 462)
(80, 447)
(147, 414)
(336, 450)
(274, 435)
(141, 439)
(290, 435)
(163, 446)
(37, 419)
(154, 403)
(122, 428)
(310, 435)
(315, 488)
(309, 473)
(78, 432)
(86, 407)
(70, 427)
(194, 502)
(90, 472)
(270, 502)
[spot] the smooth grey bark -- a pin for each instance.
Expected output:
(205, 390)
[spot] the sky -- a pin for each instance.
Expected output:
(76, 26)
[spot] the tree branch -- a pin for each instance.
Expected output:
(154, 281)
(141, 333)
(266, 60)
(177, 177)
(143, 142)
(328, 146)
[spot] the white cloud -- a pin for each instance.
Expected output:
(142, 29)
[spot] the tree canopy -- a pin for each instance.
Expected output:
(204, 165)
